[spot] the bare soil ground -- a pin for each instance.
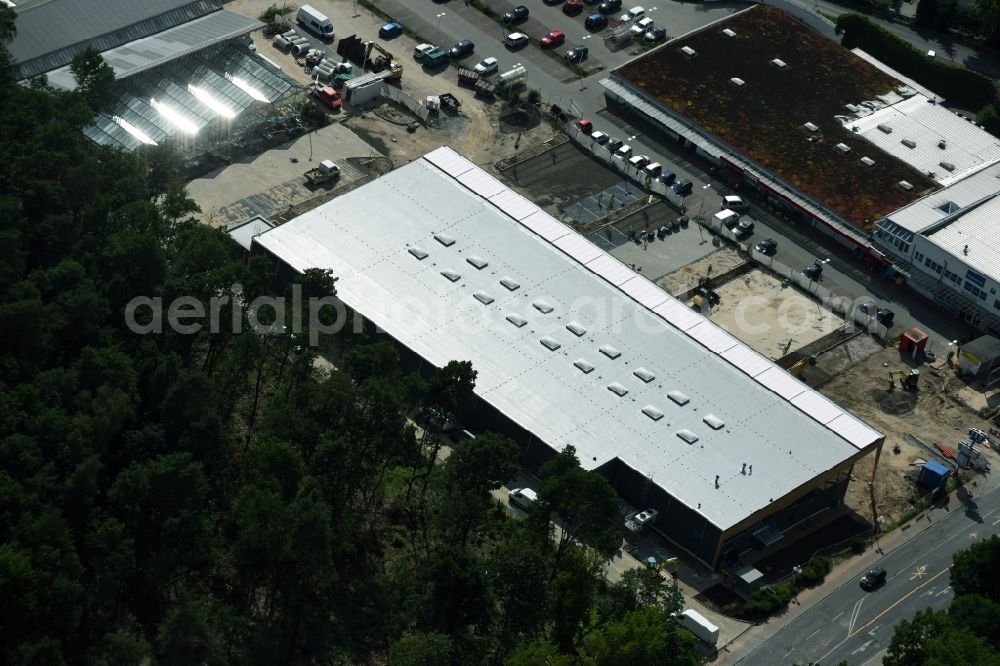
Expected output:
(772, 319)
(686, 278)
(931, 414)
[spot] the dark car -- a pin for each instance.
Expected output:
(744, 228)
(462, 49)
(668, 177)
(516, 15)
(884, 316)
(873, 578)
(767, 246)
(814, 272)
(572, 7)
(390, 30)
(578, 54)
(614, 144)
(609, 6)
(656, 34)
(682, 187)
(596, 22)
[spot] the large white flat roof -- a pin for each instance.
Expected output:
(925, 213)
(600, 350)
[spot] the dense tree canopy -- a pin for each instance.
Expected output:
(220, 494)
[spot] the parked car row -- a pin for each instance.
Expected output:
(641, 163)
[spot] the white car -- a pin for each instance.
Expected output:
(421, 50)
(515, 39)
(523, 497)
(641, 26)
(599, 137)
(633, 14)
(624, 152)
(487, 66)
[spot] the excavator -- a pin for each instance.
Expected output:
(384, 60)
(907, 380)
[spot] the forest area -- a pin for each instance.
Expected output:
(220, 498)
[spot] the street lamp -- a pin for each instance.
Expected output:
(438, 23)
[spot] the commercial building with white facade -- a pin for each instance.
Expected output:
(574, 348)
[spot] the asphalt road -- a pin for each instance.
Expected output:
(856, 626)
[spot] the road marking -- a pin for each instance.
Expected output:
(995, 522)
(812, 634)
(854, 616)
(944, 591)
(836, 616)
(863, 647)
(920, 572)
(788, 653)
(872, 632)
(900, 600)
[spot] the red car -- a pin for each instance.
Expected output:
(584, 126)
(553, 39)
(329, 97)
(573, 7)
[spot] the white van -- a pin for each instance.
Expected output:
(653, 169)
(315, 22)
(733, 202)
(698, 625)
(727, 219)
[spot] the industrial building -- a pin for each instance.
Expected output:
(829, 137)
(574, 348)
(185, 71)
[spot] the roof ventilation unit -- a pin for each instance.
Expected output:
(885, 129)
(483, 297)
(477, 261)
(584, 367)
(811, 127)
(542, 307)
(652, 412)
(779, 63)
(843, 147)
(517, 320)
(618, 389)
(947, 166)
(737, 81)
(687, 436)
(909, 143)
(728, 33)
(688, 51)
(906, 185)
(444, 239)
(942, 144)
(609, 351)
(418, 253)
(575, 328)
(550, 343)
(452, 275)
(714, 422)
(644, 374)
(679, 398)
(867, 161)
(510, 283)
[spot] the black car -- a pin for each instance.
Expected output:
(656, 34)
(462, 49)
(610, 6)
(682, 187)
(596, 22)
(873, 578)
(767, 247)
(516, 15)
(578, 54)
(884, 316)
(814, 272)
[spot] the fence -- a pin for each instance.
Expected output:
(414, 106)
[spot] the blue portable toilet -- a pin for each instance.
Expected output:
(933, 475)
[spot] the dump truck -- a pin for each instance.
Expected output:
(382, 61)
(326, 171)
